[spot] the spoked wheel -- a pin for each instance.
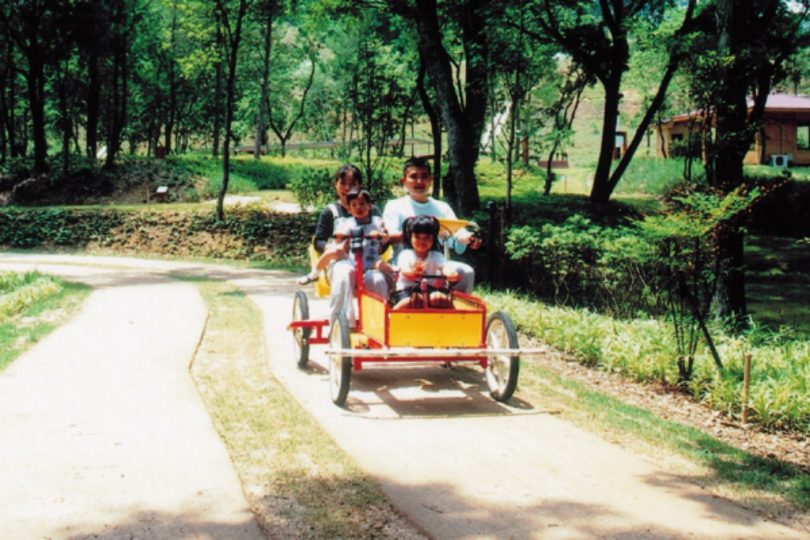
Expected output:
(502, 370)
(301, 335)
(340, 366)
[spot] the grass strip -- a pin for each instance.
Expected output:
(645, 350)
(298, 482)
(39, 315)
(29, 292)
(759, 482)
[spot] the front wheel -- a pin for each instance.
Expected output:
(340, 365)
(502, 370)
(301, 335)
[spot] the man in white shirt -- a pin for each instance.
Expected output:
(417, 181)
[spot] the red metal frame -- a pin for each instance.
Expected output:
(321, 324)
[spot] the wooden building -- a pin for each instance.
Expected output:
(785, 129)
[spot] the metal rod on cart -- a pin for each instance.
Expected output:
(431, 353)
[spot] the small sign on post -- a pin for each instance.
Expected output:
(161, 192)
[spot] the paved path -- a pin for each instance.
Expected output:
(102, 431)
(454, 461)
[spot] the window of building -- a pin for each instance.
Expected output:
(803, 137)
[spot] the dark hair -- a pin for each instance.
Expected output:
(421, 225)
(355, 193)
(416, 161)
(349, 168)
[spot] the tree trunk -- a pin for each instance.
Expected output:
(120, 87)
(601, 191)
(510, 150)
(732, 139)
(435, 127)
(36, 100)
(464, 123)
(217, 128)
(93, 98)
(261, 129)
(232, 42)
(729, 301)
(10, 117)
(64, 120)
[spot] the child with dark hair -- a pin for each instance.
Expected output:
(421, 257)
(347, 178)
(343, 271)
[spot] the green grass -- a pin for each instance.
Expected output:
(31, 306)
(645, 350)
(778, 282)
(299, 483)
(247, 174)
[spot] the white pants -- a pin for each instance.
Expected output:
(341, 280)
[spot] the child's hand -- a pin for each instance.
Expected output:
(339, 250)
(453, 277)
(380, 236)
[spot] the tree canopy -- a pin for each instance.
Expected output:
(155, 76)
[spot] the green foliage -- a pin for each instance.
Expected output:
(650, 176)
(666, 266)
(31, 305)
(249, 174)
(56, 227)
(581, 263)
(643, 348)
(19, 291)
(246, 233)
(314, 189)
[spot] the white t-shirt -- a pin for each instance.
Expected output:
(433, 264)
(398, 210)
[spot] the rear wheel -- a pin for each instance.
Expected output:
(502, 370)
(340, 365)
(301, 335)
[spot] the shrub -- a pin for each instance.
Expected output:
(246, 233)
(643, 348)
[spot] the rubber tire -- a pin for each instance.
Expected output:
(300, 312)
(502, 371)
(340, 367)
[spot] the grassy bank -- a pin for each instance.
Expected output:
(31, 306)
(645, 350)
(298, 482)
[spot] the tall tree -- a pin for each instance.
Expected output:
(293, 69)
(231, 18)
(463, 106)
(29, 23)
(517, 66)
(125, 17)
(753, 41)
(597, 37)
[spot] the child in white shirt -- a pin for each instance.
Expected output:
(421, 257)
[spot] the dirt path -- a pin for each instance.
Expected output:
(462, 466)
(103, 432)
